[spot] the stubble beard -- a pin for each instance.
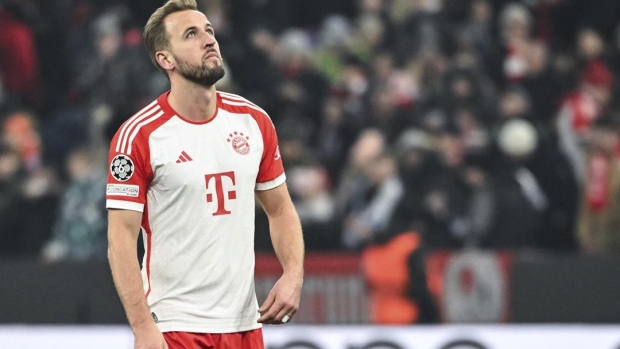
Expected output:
(200, 74)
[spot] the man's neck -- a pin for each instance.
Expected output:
(193, 102)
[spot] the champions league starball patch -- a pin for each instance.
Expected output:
(121, 167)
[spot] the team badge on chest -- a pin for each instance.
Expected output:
(240, 142)
(121, 168)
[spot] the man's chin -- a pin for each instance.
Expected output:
(208, 81)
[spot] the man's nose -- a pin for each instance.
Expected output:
(209, 40)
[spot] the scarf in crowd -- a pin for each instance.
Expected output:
(597, 185)
(584, 111)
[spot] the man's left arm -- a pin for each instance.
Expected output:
(287, 240)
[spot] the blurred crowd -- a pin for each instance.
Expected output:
(473, 123)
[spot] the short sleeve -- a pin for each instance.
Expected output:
(271, 170)
(129, 176)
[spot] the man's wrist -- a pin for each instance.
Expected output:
(142, 325)
(295, 274)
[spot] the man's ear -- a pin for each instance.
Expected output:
(165, 60)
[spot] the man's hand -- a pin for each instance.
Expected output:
(283, 300)
(149, 337)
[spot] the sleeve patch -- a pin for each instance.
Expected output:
(121, 167)
(123, 190)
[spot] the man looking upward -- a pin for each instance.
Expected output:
(184, 172)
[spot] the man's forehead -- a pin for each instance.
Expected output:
(179, 21)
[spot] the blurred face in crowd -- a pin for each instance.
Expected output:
(412, 161)
(604, 139)
(371, 6)
(590, 44)
(332, 112)
(108, 45)
(600, 93)
(291, 149)
(451, 149)
(515, 23)
(481, 10)
(380, 169)
(461, 88)
(537, 58)
(79, 165)
(194, 51)
(512, 105)
(9, 165)
(474, 176)
(309, 181)
(20, 132)
(367, 148)
(383, 66)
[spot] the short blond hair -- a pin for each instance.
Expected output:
(155, 36)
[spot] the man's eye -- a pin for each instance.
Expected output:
(191, 34)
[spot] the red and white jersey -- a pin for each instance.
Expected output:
(195, 183)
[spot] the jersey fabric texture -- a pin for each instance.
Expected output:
(241, 340)
(194, 183)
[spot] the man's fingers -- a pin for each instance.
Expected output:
(269, 309)
(271, 298)
(284, 316)
(277, 312)
(270, 315)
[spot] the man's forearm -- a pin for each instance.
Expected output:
(128, 282)
(288, 243)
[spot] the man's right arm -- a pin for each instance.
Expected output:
(123, 231)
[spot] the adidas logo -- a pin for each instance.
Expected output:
(184, 158)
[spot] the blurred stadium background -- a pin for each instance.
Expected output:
(455, 163)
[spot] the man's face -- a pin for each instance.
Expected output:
(193, 47)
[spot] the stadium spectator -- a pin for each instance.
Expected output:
(515, 201)
(395, 271)
(11, 178)
(313, 199)
(543, 83)
(579, 109)
(108, 80)
(337, 132)
(79, 231)
(31, 187)
(373, 203)
(516, 31)
(599, 221)
(417, 164)
(444, 202)
(18, 56)
(370, 190)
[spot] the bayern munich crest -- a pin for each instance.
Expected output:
(239, 142)
(121, 167)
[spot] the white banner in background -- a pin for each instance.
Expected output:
(65, 337)
(342, 337)
(444, 337)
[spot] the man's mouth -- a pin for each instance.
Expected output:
(211, 55)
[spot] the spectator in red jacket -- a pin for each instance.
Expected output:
(18, 57)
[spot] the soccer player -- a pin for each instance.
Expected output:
(184, 172)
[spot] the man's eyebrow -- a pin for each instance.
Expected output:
(193, 27)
